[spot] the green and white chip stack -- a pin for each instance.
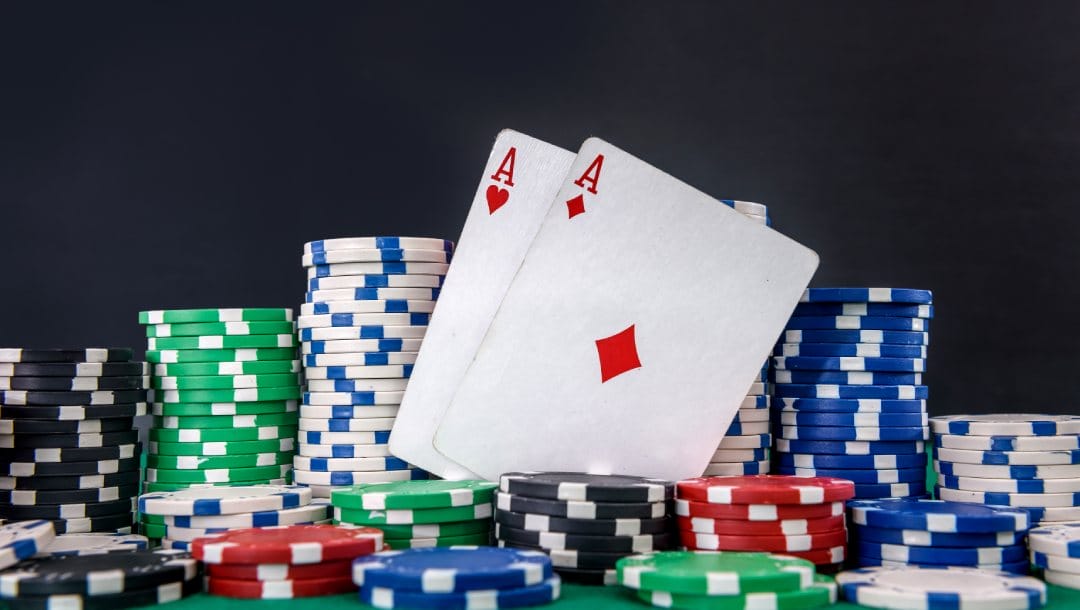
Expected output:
(420, 514)
(225, 387)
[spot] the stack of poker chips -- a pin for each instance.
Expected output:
(225, 384)
(68, 450)
(933, 533)
(1056, 549)
(745, 446)
(718, 580)
(754, 211)
(940, 588)
(456, 577)
(419, 514)
(1022, 460)
(366, 311)
(848, 389)
(584, 522)
(284, 562)
(113, 580)
(177, 518)
(798, 516)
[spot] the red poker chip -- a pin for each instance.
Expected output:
(785, 527)
(765, 489)
(291, 544)
(280, 571)
(279, 589)
(822, 557)
(757, 512)
(771, 544)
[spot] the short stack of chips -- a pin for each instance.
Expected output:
(101, 581)
(745, 446)
(225, 387)
(69, 452)
(177, 518)
(905, 532)
(419, 514)
(284, 562)
(467, 578)
(798, 516)
(584, 522)
(1056, 549)
(1023, 460)
(365, 313)
(848, 389)
(940, 588)
(725, 580)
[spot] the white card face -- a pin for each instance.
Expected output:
(629, 337)
(519, 182)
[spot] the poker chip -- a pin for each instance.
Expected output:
(160, 594)
(753, 441)
(848, 378)
(171, 356)
(291, 544)
(218, 342)
(1045, 500)
(971, 556)
(801, 322)
(66, 511)
(226, 369)
(93, 544)
(224, 500)
(940, 588)
(218, 409)
(533, 595)
(64, 441)
(372, 281)
(853, 420)
(363, 319)
(938, 516)
(851, 405)
(851, 462)
(366, 424)
(19, 426)
(199, 329)
(895, 337)
(72, 412)
(580, 510)
(391, 371)
(1017, 458)
(414, 495)
(739, 455)
(868, 491)
(452, 569)
(93, 575)
(23, 539)
(822, 592)
(336, 479)
(757, 512)
(903, 310)
(379, 448)
(347, 411)
(878, 476)
(1056, 563)
(572, 558)
(414, 516)
(794, 390)
(341, 255)
(850, 447)
(849, 350)
(378, 243)
(345, 468)
(784, 527)
(279, 589)
(213, 435)
(736, 469)
(764, 489)
(587, 527)
(74, 369)
(281, 571)
(1017, 424)
(222, 447)
(453, 529)
(70, 384)
(714, 573)
(1008, 443)
(866, 295)
(89, 355)
(782, 543)
(373, 331)
(120, 523)
(1062, 579)
(1060, 539)
(922, 538)
(32, 497)
(45, 398)
(585, 487)
(482, 539)
(197, 462)
(191, 316)
(853, 433)
(643, 543)
(90, 481)
(223, 382)
(219, 475)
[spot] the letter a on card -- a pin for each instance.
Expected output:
(628, 338)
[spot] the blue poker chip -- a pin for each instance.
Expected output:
(851, 363)
(938, 516)
(851, 462)
(1017, 567)
(494, 599)
(849, 350)
(316, 464)
(873, 491)
(375, 294)
(347, 398)
(1014, 486)
(924, 538)
(811, 418)
(850, 447)
(852, 433)
(355, 319)
(867, 295)
(943, 556)
(852, 405)
(875, 476)
(846, 377)
(899, 337)
(383, 345)
(342, 372)
(906, 392)
(380, 437)
(893, 310)
(452, 569)
(797, 322)
(369, 281)
(370, 331)
(348, 451)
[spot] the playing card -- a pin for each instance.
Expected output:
(519, 181)
(629, 336)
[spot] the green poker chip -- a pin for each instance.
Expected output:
(225, 382)
(821, 593)
(221, 435)
(414, 494)
(242, 395)
(218, 342)
(715, 573)
(227, 421)
(219, 328)
(483, 539)
(156, 487)
(412, 517)
(437, 530)
(221, 448)
(169, 356)
(217, 475)
(203, 462)
(217, 409)
(152, 530)
(189, 316)
(212, 369)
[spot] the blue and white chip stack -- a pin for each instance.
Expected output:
(1029, 461)
(848, 389)
(365, 313)
(1056, 549)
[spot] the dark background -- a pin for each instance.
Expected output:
(178, 155)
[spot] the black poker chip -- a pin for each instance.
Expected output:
(47, 469)
(588, 527)
(118, 524)
(160, 594)
(89, 481)
(588, 577)
(586, 487)
(92, 576)
(74, 369)
(14, 512)
(74, 454)
(93, 354)
(70, 384)
(581, 510)
(30, 497)
(63, 441)
(578, 560)
(645, 543)
(85, 426)
(103, 397)
(72, 412)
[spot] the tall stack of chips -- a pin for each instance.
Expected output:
(225, 387)
(849, 393)
(919, 532)
(584, 522)
(69, 452)
(1024, 460)
(365, 313)
(798, 516)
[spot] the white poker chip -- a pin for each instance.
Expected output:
(346, 412)
(224, 500)
(346, 425)
(1008, 458)
(357, 385)
(1014, 424)
(343, 451)
(23, 539)
(1062, 539)
(1022, 500)
(1069, 442)
(359, 372)
(946, 588)
(93, 544)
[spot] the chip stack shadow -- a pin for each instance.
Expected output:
(69, 452)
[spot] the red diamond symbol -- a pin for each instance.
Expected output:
(618, 354)
(575, 206)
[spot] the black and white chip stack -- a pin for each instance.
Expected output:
(69, 452)
(584, 522)
(365, 314)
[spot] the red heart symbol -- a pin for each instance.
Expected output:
(496, 197)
